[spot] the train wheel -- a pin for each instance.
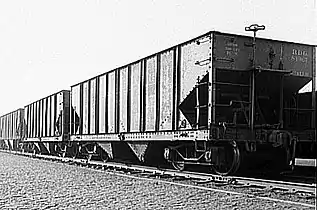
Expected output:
(178, 165)
(72, 150)
(103, 156)
(35, 149)
(30, 147)
(227, 159)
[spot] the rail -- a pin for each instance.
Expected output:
(235, 181)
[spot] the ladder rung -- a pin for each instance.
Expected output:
(305, 162)
(275, 70)
(229, 105)
(202, 83)
(240, 109)
(243, 102)
(231, 69)
(296, 109)
(224, 59)
(233, 84)
(203, 62)
(202, 106)
(223, 105)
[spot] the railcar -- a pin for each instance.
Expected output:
(46, 123)
(218, 100)
(11, 130)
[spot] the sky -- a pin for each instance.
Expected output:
(48, 45)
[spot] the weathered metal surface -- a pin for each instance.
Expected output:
(123, 100)
(166, 90)
(25, 121)
(92, 110)
(37, 120)
(85, 107)
(150, 93)
(193, 67)
(30, 120)
(60, 113)
(44, 115)
(76, 109)
(102, 103)
(135, 111)
(48, 123)
(235, 52)
(65, 112)
(40, 133)
(53, 114)
(111, 102)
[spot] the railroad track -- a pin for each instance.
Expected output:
(260, 188)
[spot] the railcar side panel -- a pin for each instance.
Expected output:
(61, 113)
(135, 101)
(76, 110)
(41, 107)
(39, 118)
(150, 93)
(53, 114)
(166, 90)
(34, 120)
(194, 66)
(102, 104)
(44, 113)
(123, 100)
(235, 52)
(111, 102)
(1, 127)
(85, 107)
(48, 123)
(92, 125)
(25, 118)
(65, 113)
(30, 120)
(11, 122)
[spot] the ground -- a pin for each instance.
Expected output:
(27, 183)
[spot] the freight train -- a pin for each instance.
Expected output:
(219, 100)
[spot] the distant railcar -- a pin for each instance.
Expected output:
(47, 124)
(11, 130)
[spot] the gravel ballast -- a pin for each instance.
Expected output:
(27, 183)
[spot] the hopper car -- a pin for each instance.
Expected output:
(47, 124)
(219, 100)
(11, 130)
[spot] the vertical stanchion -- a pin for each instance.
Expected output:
(254, 28)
